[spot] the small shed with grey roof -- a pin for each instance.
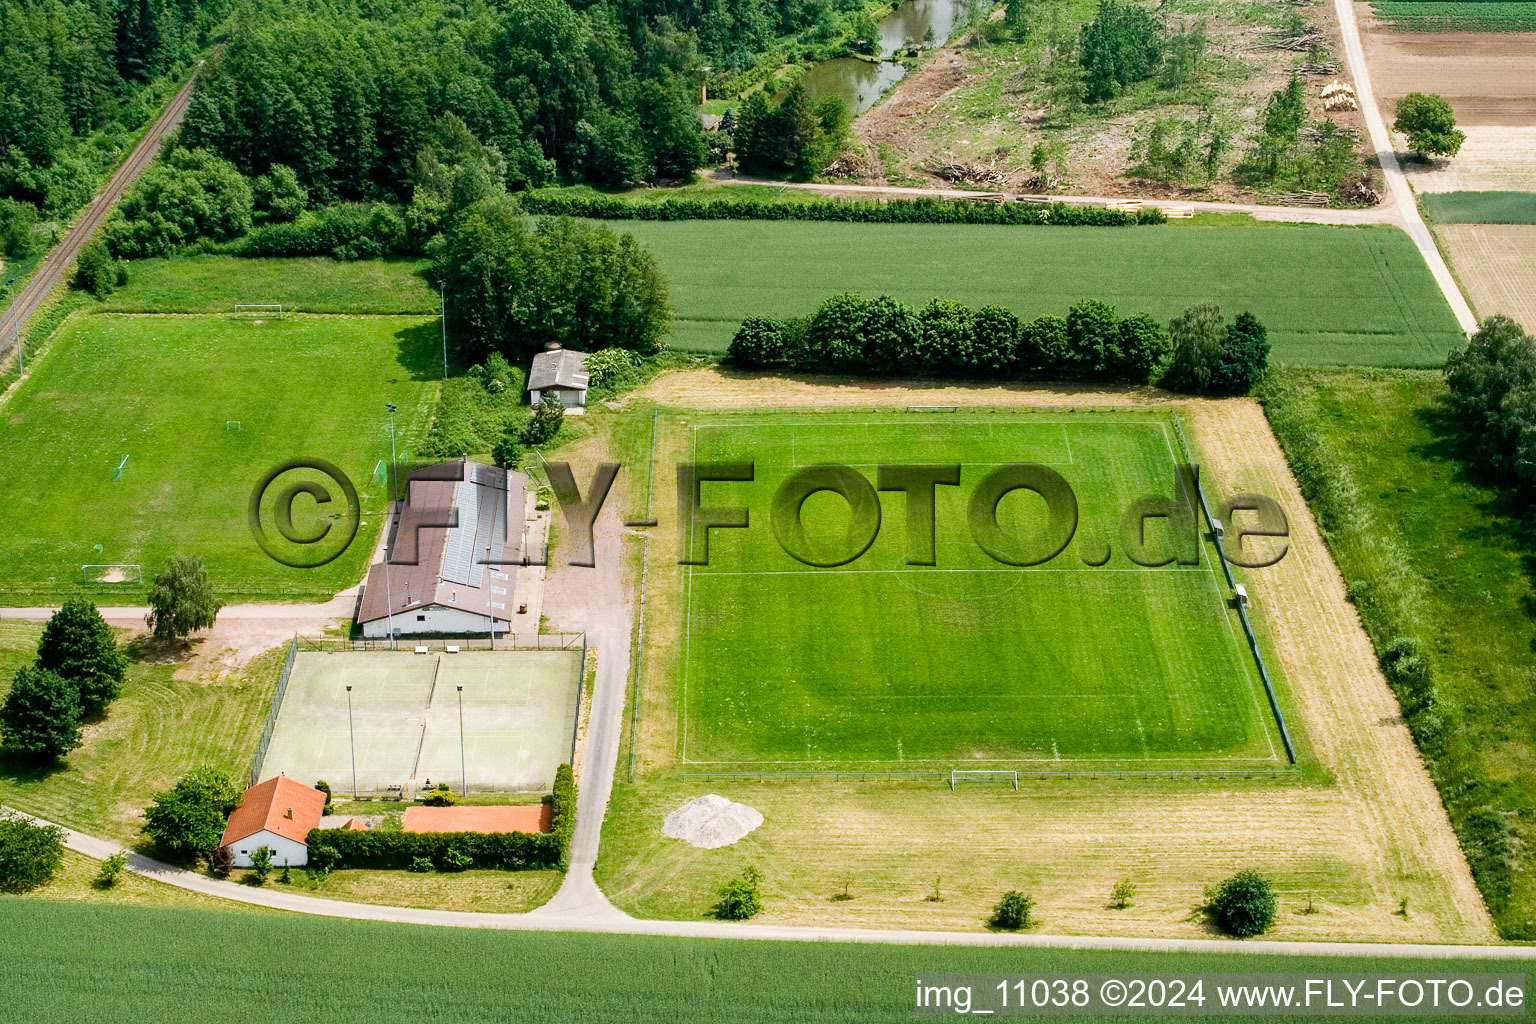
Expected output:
(561, 372)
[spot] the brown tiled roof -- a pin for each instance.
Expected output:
(471, 566)
(527, 818)
(280, 806)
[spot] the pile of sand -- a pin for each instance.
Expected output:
(711, 822)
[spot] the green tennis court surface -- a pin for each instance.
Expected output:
(519, 712)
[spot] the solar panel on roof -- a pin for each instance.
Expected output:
(459, 557)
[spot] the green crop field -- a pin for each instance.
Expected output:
(167, 393)
(967, 662)
(73, 963)
(1457, 15)
(1480, 207)
(1359, 295)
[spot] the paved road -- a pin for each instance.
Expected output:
(583, 918)
(54, 265)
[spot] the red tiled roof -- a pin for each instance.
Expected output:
(356, 825)
(280, 806)
(527, 818)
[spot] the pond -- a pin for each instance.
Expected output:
(861, 82)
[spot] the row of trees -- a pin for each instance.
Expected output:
(77, 674)
(1493, 396)
(1200, 352)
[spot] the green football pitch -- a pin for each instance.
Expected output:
(406, 718)
(201, 408)
(968, 662)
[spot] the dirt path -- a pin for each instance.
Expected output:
(1374, 833)
(51, 272)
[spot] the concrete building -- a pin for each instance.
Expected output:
(277, 814)
(562, 372)
(453, 563)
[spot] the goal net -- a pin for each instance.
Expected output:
(124, 573)
(983, 775)
(259, 311)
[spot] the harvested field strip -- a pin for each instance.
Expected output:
(1497, 265)
(1480, 207)
(1327, 294)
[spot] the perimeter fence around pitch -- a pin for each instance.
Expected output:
(948, 774)
(525, 642)
(277, 703)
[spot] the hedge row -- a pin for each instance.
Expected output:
(506, 851)
(894, 211)
(397, 851)
(851, 334)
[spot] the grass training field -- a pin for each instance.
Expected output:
(1480, 207)
(1327, 294)
(73, 963)
(213, 284)
(968, 662)
(168, 393)
(517, 715)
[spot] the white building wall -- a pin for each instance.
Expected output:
(436, 619)
(284, 850)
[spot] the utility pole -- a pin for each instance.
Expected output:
(352, 741)
(442, 315)
(389, 531)
(463, 771)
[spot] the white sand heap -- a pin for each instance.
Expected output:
(711, 822)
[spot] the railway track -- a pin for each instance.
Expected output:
(51, 271)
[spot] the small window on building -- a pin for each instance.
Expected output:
(421, 618)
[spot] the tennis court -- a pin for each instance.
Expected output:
(404, 721)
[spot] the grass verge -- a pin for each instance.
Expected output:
(1431, 554)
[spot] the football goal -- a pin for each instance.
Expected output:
(957, 775)
(258, 311)
(128, 573)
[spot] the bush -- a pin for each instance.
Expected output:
(1122, 45)
(280, 194)
(78, 644)
(1012, 911)
(325, 787)
(343, 231)
(420, 865)
(548, 417)
(442, 796)
(188, 820)
(1244, 905)
(1492, 385)
(1122, 894)
(760, 342)
(893, 211)
(18, 229)
(96, 271)
(29, 853)
(40, 719)
(741, 898)
(613, 369)
(457, 860)
(106, 876)
(261, 865)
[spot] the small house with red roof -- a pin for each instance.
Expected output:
(277, 814)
